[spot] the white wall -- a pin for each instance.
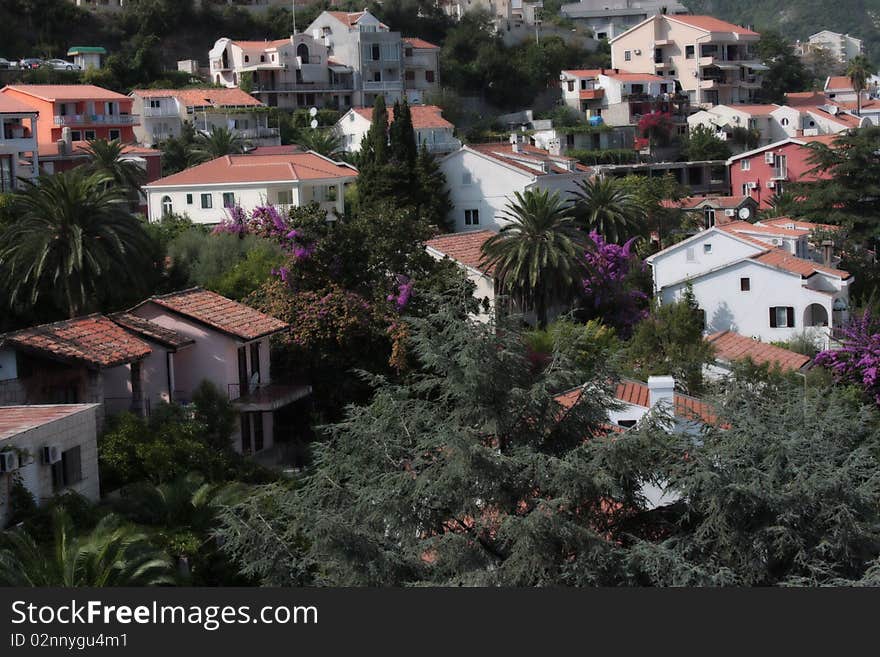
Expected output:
(690, 258)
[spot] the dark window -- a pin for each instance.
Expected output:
(228, 199)
(689, 52)
(258, 431)
(782, 317)
(375, 52)
(114, 134)
(429, 76)
(408, 52)
(302, 51)
(626, 423)
(207, 202)
(245, 433)
(242, 371)
(745, 284)
(410, 75)
(255, 359)
(471, 217)
(68, 471)
(189, 199)
(76, 135)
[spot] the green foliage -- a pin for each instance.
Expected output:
(786, 70)
(593, 343)
(219, 142)
(604, 156)
(702, 144)
(604, 205)
(803, 343)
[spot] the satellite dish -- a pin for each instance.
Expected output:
(313, 112)
(314, 123)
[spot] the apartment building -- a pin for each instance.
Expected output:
(610, 18)
(165, 111)
(521, 10)
(842, 47)
(89, 112)
(766, 123)
(19, 153)
(421, 69)
(712, 60)
(431, 130)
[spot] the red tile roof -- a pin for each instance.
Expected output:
(211, 97)
(79, 150)
(465, 248)
(219, 313)
(264, 45)
(503, 152)
(10, 105)
(689, 408)
(796, 99)
(799, 224)
(53, 92)
(633, 392)
(93, 340)
(584, 72)
(839, 82)
(251, 168)
(350, 18)
(423, 116)
(624, 76)
(415, 42)
(746, 227)
(152, 331)
(15, 420)
(781, 259)
(712, 24)
(754, 110)
(731, 347)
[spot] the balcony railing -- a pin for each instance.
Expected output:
(258, 133)
(390, 85)
(303, 87)
(97, 119)
(442, 146)
(165, 111)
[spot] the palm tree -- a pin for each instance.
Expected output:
(603, 205)
(539, 255)
(107, 157)
(858, 71)
(73, 239)
(111, 555)
(781, 205)
(219, 142)
(326, 141)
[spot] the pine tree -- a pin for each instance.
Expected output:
(403, 137)
(434, 202)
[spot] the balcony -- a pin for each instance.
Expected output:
(266, 397)
(159, 112)
(420, 61)
(391, 85)
(97, 119)
(258, 133)
(303, 87)
(442, 146)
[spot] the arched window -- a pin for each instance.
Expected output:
(166, 206)
(302, 51)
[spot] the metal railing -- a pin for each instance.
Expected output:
(304, 87)
(390, 85)
(97, 119)
(165, 111)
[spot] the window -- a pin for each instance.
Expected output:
(571, 85)
(374, 52)
(627, 55)
(246, 433)
(626, 424)
(745, 285)
(262, 58)
(429, 76)
(247, 59)
(707, 248)
(407, 52)
(690, 255)
(302, 51)
(258, 431)
(228, 199)
(189, 199)
(207, 201)
(90, 135)
(471, 217)
(285, 197)
(255, 359)
(76, 135)
(709, 217)
(782, 317)
(689, 52)
(68, 471)
(167, 209)
(746, 189)
(410, 75)
(114, 134)
(466, 178)
(784, 121)
(745, 165)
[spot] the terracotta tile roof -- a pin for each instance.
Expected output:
(746, 227)
(350, 18)
(784, 260)
(263, 45)
(633, 392)
(841, 118)
(219, 313)
(94, 340)
(15, 420)
(79, 150)
(251, 168)
(838, 82)
(152, 331)
(798, 224)
(712, 24)
(503, 152)
(731, 347)
(754, 110)
(423, 116)
(10, 105)
(415, 42)
(54, 92)
(814, 98)
(465, 248)
(584, 72)
(212, 97)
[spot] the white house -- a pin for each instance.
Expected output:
(432, 131)
(19, 153)
(771, 122)
(87, 57)
(731, 348)
(51, 449)
(745, 285)
(482, 179)
(206, 192)
(842, 47)
(609, 18)
(466, 250)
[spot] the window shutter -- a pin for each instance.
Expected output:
(773, 318)
(72, 466)
(790, 312)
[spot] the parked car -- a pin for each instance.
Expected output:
(30, 62)
(5, 63)
(62, 65)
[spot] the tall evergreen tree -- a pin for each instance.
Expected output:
(434, 201)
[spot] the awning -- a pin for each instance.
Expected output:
(755, 66)
(271, 397)
(339, 68)
(727, 66)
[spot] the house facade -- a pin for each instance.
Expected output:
(747, 286)
(294, 179)
(767, 123)
(608, 19)
(421, 69)
(482, 179)
(19, 153)
(710, 211)
(432, 131)
(842, 47)
(165, 111)
(465, 249)
(713, 61)
(51, 450)
(230, 348)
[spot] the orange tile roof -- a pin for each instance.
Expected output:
(839, 82)
(15, 420)
(423, 116)
(633, 392)
(212, 97)
(93, 340)
(503, 152)
(754, 110)
(746, 227)
(10, 105)
(465, 248)
(795, 99)
(53, 92)
(78, 149)
(350, 18)
(841, 118)
(219, 313)
(584, 72)
(415, 42)
(264, 45)
(712, 24)
(152, 331)
(799, 224)
(231, 169)
(731, 347)
(781, 259)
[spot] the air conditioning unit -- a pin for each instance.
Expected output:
(8, 461)
(752, 185)
(51, 454)
(771, 185)
(730, 213)
(769, 158)
(637, 51)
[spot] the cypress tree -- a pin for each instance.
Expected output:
(433, 195)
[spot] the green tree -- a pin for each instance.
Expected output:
(859, 70)
(325, 141)
(786, 72)
(402, 136)
(538, 254)
(111, 555)
(434, 202)
(219, 142)
(176, 150)
(108, 158)
(703, 144)
(73, 240)
(604, 205)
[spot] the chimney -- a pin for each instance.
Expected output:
(67, 137)
(554, 146)
(661, 390)
(827, 252)
(514, 142)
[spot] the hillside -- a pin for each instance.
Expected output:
(798, 19)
